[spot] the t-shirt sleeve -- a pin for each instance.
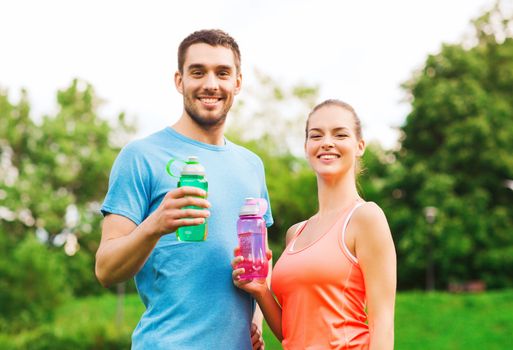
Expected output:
(268, 216)
(129, 186)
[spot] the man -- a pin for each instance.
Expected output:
(190, 300)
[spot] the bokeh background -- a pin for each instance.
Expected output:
(431, 81)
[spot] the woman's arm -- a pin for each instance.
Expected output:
(259, 289)
(374, 248)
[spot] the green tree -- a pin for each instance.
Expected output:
(53, 174)
(456, 156)
(270, 121)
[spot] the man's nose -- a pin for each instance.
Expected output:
(211, 82)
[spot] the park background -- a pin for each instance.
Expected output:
(442, 171)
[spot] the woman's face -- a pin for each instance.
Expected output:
(332, 145)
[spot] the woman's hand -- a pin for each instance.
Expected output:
(257, 286)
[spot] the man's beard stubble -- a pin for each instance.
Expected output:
(205, 124)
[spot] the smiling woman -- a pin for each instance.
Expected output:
(335, 281)
(329, 138)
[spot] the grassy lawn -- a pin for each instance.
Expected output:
(423, 321)
(453, 322)
(443, 321)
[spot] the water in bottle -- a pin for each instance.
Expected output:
(193, 174)
(252, 232)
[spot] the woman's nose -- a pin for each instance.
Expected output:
(327, 142)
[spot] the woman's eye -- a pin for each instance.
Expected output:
(315, 136)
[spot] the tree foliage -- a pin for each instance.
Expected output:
(270, 122)
(52, 176)
(456, 156)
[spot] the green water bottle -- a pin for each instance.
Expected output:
(193, 174)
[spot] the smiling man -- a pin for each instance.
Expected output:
(208, 88)
(190, 300)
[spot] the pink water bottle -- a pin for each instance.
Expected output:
(252, 233)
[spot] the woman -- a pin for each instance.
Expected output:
(335, 281)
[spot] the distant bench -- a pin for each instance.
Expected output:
(476, 286)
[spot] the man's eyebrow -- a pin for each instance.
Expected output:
(196, 66)
(224, 67)
(202, 66)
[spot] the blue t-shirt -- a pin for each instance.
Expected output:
(191, 302)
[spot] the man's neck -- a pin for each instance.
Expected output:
(214, 135)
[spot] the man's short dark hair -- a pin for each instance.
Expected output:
(213, 37)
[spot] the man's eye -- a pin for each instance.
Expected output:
(224, 73)
(196, 73)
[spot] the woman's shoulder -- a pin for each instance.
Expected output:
(373, 242)
(368, 211)
(369, 219)
(291, 232)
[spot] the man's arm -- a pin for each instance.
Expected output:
(257, 338)
(124, 246)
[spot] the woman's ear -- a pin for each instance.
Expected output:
(361, 148)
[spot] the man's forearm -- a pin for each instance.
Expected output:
(119, 259)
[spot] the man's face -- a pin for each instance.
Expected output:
(208, 83)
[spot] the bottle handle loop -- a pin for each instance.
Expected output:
(169, 167)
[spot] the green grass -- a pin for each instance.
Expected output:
(100, 313)
(271, 343)
(453, 322)
(423, 320)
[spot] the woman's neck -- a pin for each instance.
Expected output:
(336, 194)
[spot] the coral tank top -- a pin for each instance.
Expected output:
(322, 292)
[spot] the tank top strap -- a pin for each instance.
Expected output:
(299, 228)
(346, 250)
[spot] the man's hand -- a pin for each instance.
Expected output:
(169, 216)
(256, 338)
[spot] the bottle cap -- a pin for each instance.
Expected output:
(193, 167)
(253, 206)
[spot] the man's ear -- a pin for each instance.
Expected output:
(238, 83)
(179, 82)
